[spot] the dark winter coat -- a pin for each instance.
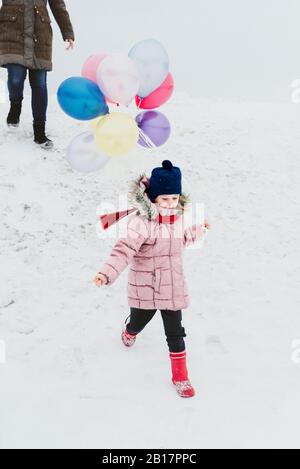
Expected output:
(26, 32)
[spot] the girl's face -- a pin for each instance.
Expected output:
(167, 201)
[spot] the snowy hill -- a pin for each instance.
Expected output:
(68, 381)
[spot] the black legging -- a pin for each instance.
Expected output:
(174, 330)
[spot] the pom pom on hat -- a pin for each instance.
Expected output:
(167, 164)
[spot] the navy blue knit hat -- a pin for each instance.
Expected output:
(165, 180)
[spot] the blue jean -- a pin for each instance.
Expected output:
(39, 93)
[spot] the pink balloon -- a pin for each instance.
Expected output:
(89, 69)
(158, 97)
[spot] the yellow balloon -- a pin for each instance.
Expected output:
(116, 134)
(93, 123)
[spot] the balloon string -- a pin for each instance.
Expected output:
(147, 140)
(143, 136)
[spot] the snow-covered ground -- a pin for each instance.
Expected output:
(68, 381)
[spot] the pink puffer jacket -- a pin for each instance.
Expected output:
(153, 248)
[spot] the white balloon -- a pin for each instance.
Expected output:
(84, 156)
(118, 79)
(152, 61)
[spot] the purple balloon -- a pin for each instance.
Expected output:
(155, 126)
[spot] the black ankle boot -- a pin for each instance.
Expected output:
(13, 118)
(40, 136)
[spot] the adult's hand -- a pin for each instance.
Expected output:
(70, 44)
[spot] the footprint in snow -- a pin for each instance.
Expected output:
(215, 345)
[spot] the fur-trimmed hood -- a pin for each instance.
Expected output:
(139, 199)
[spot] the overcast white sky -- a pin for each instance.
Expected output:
(238, 49)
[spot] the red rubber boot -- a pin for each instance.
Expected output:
(180, 374)
(128, 339)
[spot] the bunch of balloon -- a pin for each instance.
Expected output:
(109, 83)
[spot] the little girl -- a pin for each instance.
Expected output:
(153, 245)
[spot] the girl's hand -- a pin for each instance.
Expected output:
(206, 225)
(71, 44)
(100, 280)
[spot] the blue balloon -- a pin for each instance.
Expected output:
(152, 61)
(81, 99)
